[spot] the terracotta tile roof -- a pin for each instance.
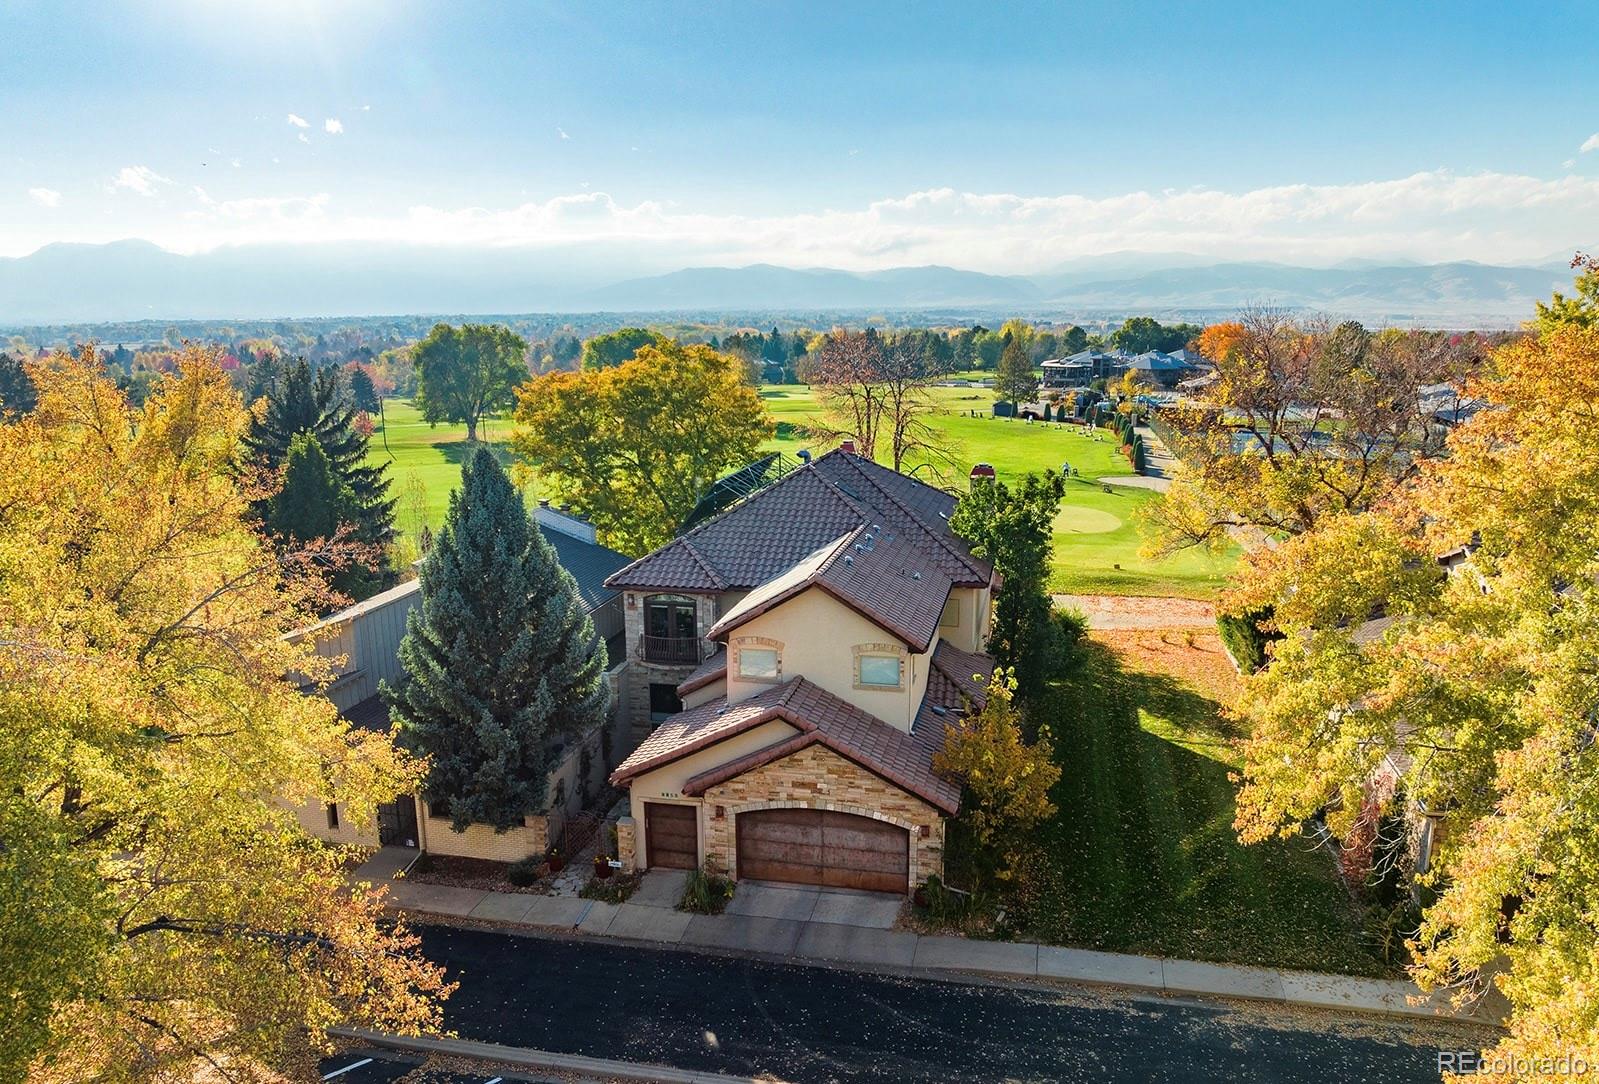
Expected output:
(764, 536)
(819, 717)
(712, 669)
(878, 574)
(962, 672)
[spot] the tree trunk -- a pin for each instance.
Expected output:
(471, 430)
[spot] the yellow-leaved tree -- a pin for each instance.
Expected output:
(1005, 778)
(633, 447)
(1452, 628)
(162, 913)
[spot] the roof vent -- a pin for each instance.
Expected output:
(849, 559)
(940, 709)
(805, 455)
(916, 575)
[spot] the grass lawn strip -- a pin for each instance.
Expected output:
(1141, 856)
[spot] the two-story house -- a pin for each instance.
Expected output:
(801, 654)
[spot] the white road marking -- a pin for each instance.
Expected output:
(347, 1068)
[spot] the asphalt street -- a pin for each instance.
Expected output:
(812, 1024)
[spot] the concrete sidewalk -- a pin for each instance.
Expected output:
(856, 929)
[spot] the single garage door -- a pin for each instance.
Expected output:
(671, 837)
(821, 847)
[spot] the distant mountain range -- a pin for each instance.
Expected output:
(134, 280)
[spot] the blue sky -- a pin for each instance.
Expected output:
(853, 135)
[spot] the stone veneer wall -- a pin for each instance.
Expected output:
(642, 674)
(817, 778)
(627, 844)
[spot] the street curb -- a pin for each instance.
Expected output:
(525, 1058)
(1300, 989)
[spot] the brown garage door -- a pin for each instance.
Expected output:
(820, 847)
(670, 836)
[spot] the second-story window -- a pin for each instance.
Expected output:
(879, 671)
(669, 617)
(757, 663)
(670, 632)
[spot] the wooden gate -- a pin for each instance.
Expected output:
(671, 836)
(821, 847)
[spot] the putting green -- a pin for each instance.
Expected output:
(1080, 520)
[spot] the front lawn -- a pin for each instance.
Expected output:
(1141, 856)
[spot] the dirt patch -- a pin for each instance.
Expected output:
(1127, 612)
(1191, 656)
(479, 873)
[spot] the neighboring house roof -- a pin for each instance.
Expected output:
(779, 526)
(370, 714)
(711, 670)
(1156, 362)
(878, 574)
(589, 563)
(820, 718)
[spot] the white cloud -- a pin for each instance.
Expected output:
(304, 138)
(1589, 144)
(333, 126)
(45, 197)
(1431, 216)
(562, 132)
(366, 109)
(298, 121)
(235, 162)
(140, 179)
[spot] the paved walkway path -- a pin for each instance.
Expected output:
(1137, 481)
(1158, 460)
(856, 929)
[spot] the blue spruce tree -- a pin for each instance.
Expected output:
(500, 657)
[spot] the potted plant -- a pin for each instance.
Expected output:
(602, 866)
(556, 862)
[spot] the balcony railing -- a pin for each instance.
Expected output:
(672, 650)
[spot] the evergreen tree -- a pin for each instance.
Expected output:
(17, 393)
(363, 393)
(499, 657)
(302, 403)
(1015, 382)
(313, 502)
(1014, 528)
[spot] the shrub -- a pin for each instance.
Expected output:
(524, 872)
(706, 892)
(1245, 638)
(615, 889)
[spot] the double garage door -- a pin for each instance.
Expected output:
(821, 847)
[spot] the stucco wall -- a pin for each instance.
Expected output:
(708, 692)
(971, 634)
(818, 637)
(818, 778)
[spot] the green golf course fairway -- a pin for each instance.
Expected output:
(1096, 533)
